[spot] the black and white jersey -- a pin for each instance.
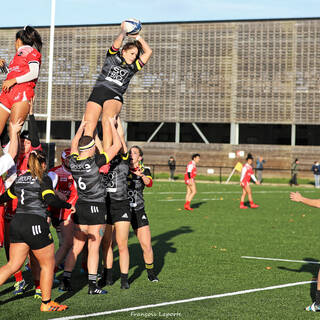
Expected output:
(116, 73)
(136, 187)
(115, 181)
(85, 172)
(30, 193)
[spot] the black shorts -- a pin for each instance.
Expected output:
(101, 94)
(118, 211)
(139, 219)
(30, 229)
(90, 213)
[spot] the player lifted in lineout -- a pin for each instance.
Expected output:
(246, 175)
(118, 69)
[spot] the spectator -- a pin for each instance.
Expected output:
(316, 171)
(259, 168)
(294, 172)
(172, 167)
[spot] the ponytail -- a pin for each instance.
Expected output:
(30, 36)
(36, 159)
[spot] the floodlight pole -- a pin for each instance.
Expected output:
(48, 127)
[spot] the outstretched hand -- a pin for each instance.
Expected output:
(296, 196)
(16, 126)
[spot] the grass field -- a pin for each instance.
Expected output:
(198, 254)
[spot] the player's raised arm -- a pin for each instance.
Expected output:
(124, 148)
(147, 51)
(114, 149)
(15, 129)
(76, 138)
(117, 43)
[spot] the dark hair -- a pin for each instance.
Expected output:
(84, 140)
(195, 155)
(133, 44)
(139, 149)
(36, 159)
(30, 36)
(249, 156)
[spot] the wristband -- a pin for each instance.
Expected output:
(138, 37)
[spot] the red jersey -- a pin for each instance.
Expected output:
(19, 65)
(246, 175)
(192, 169)
(64, 183)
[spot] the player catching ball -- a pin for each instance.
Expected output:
(118, 69)
(246, 176)
(18, 88)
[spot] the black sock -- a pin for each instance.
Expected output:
(124, 277)
(46, 302)
(92, 279)
(67, 275)
(150, 268)
(107, 274)
(318, 297)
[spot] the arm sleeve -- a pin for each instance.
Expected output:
(138, 64)
(101, 159)
(6, 162)
(5, 197)
(31, 75)
(253, 177)
(243, 173)
(49, 196)
(34, 132)
(147, 173)
(8, 195)
(112, 51)
(54, 177)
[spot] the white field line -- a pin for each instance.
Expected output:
(185, 199)
(225, 192)
(285, 260)
(185, 301)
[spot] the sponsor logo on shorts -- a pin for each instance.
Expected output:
(50, 236)
(144, 217)
(116, 98)
(125, 215)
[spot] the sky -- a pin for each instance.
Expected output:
(74, 12)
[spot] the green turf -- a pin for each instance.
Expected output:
(199, 254)
(235, 178)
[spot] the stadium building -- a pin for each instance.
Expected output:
(211, 87)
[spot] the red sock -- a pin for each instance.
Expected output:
(18, 276)
(241, 203)
(37, 284)
(187, 203)
(251, 202)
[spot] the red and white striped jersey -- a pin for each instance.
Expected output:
(247, 174)
(192, 169)
(63, 182)
(19, 65)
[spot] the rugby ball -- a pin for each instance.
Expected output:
(132, 26)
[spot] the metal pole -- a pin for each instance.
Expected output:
(53, 9)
